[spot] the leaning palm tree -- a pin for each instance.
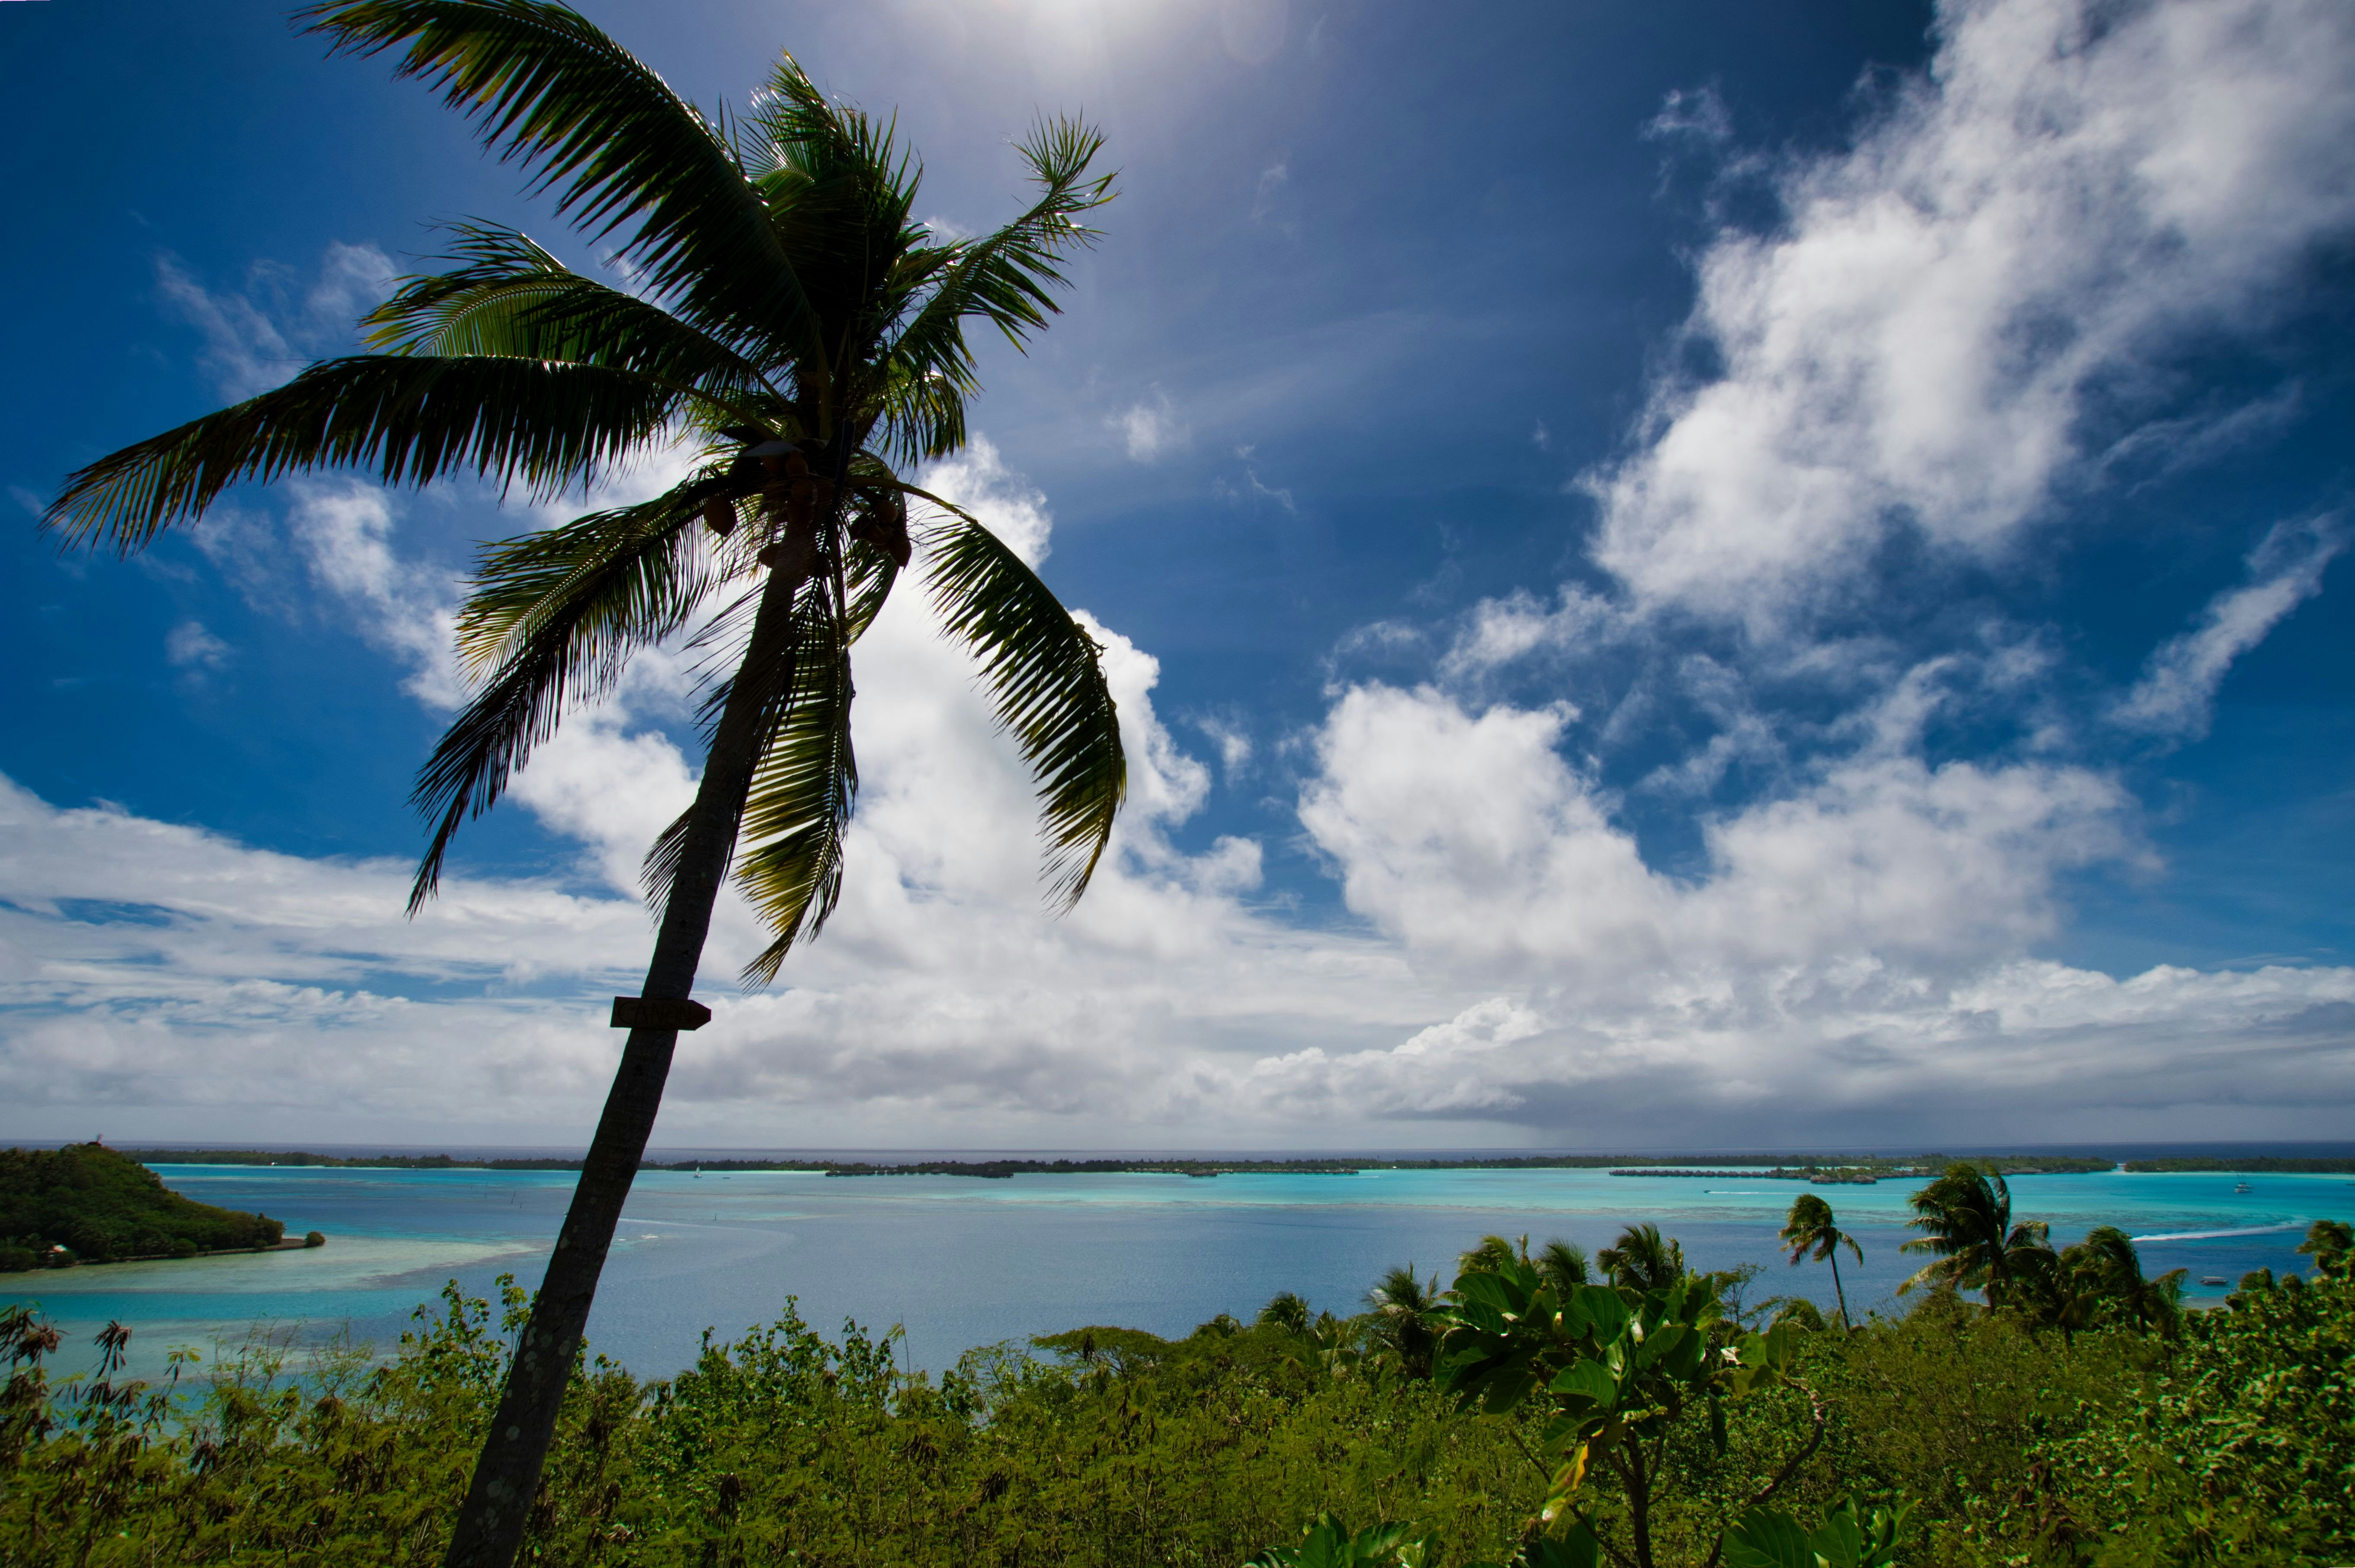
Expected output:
(792, 327)
(1810, 1231)
(1966, 1220)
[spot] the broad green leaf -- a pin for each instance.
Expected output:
(1767, 1538)
(1838, 1542)
(1484, 1288)
(1663, 1341)
(1588, 1378)
(1600, 1306)
(1576, 1548)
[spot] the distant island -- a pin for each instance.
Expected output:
(88, 1204)
(1819, 1168)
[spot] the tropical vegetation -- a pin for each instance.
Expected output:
(86, 1203)
(1545, 1421)
(792, 332)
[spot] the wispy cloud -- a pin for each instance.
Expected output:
(1272, 181)
(1253, 491)
(2177, 694)
(190, 646)
(260, 335)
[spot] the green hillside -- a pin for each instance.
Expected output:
(103, 1206)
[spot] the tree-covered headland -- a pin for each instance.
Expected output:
(87, 1203)
(2033, 1406)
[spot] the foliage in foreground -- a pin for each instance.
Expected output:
(1955, 1434)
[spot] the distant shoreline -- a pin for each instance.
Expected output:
(1821, 1168)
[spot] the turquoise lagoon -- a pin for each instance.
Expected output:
(959, 1261)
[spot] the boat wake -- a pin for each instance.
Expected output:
(2218, 1235)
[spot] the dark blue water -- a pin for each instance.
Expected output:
(960, 1262)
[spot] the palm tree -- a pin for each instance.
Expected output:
(2328, 1243)
(1491, 1254)
(1809, 1231)
(1966, 1217)
(1286, 1311)
(791, 324)
(1406, 1324)
(1561, 1264)
(2107, 1254)
(1640, 1261)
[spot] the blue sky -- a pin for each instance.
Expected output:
(1703, 574)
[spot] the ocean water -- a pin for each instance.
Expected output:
(959, 1261)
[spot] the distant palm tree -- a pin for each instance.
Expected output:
(1810, 1231)
(1406, 1326)
(1285, 1310)
(791, 324)
(1561, 1264)
(2108, 1257)
(1641, 1261)
(1491, 1254)
(1966, 1217)
(2330, 1242)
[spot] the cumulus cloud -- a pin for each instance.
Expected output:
(1008, 505)
(1468, 834)
(1961, 306)
(2178, 684)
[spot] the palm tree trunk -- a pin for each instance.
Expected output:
(1838, 1291)
(491, 1522)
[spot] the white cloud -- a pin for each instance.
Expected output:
(1234, 743)
(1853, 951)
(2179, 681)
(1698, 113)
(2020, 240)
(1251, 491)
(1272, 181)
(978, 480)
(190, 646)
(1858, 943)
(259, 336)
(344, 530)
(1500, 632)
(1150, 429)
(1467, 833)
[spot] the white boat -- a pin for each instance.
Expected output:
(2243, 1187)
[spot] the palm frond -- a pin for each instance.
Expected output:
(554, 617)
(920, 414)
(804, 789)
(405, 420)
(547, 87)
(510, 297)
(1046, 678)
(1008, 277)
